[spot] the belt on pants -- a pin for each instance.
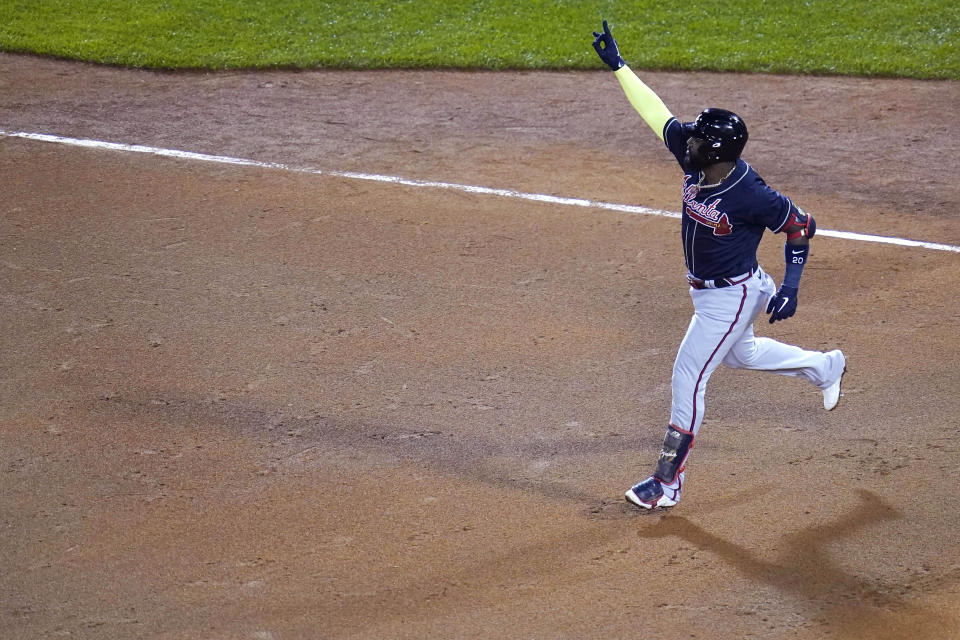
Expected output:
(719, 283)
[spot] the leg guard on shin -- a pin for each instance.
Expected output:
(673, 455)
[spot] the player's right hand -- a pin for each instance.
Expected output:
(606, 48)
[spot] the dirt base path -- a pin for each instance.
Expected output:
(241, 402)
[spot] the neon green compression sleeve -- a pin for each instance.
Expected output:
(644, 100)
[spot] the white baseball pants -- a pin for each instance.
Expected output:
(721, 331)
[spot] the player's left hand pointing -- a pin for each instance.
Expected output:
(783, 304)
(607, 49)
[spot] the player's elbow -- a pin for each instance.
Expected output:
(800, 230)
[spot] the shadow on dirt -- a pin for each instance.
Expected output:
(446, 451)
(852, 605)
(845, 604)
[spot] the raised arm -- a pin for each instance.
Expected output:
(647, 103)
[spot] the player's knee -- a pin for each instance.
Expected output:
(742, 357)
(732, 361)
(684, 378)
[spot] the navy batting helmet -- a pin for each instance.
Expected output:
(723, 130)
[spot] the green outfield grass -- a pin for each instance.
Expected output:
(911, 38)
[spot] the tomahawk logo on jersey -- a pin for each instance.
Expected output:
(722, 225)
(704, 213)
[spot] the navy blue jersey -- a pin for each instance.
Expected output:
(722, 225)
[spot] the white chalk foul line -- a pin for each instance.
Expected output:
(506, 193)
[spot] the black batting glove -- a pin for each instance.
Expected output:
(606, 48)
(783, 304)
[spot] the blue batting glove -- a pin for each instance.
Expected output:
(783, 304)
(607, 49)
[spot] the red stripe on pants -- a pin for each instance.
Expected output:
(693, 420)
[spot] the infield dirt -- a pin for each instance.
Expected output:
(239, 402)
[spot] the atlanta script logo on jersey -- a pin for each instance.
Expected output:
(704, 213)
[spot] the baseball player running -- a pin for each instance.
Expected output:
(726, 207)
